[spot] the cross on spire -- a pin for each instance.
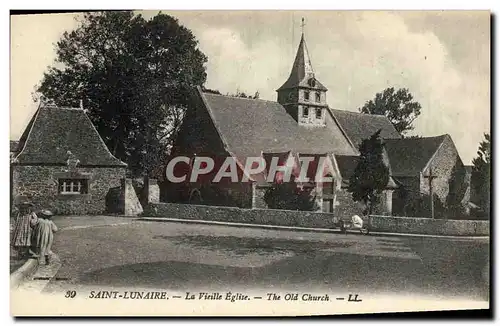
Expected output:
(302, 25)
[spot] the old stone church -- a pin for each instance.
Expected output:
(301, 124)
(61, 163)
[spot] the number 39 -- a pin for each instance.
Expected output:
(70, 294)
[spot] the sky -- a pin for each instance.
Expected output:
(442, 57)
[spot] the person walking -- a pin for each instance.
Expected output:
(22, 233)
(44, 235)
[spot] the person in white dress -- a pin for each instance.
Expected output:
(357, 222)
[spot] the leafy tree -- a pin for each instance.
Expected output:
(481, 173)
(244, 95)
(134, 76)
(371, 174)
(398, 106)
(286, 195)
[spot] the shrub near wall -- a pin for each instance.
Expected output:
(239, 215)
(416, 225)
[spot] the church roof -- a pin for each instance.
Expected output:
(14, 144)
(347, 164)
(302, 69)
(249, 127)
(54, 131)
(360, 126)
(410, 156)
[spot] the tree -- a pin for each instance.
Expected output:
(244, 95)
(134, 76)
(481, 170)
(286, 195)
(371, 174)
(398, 106)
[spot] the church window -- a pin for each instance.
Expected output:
(73, 186)
(305, 112)
(318, 97)
(306, 95)
(312, 82)
(328, 187)
(318, 113)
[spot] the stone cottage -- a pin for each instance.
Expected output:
(62, 164)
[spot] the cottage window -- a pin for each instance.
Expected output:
(305, 112)
(318, 113)
(318, 97)
(306, 95)
(73, 186)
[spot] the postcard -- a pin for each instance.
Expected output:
(249, 163)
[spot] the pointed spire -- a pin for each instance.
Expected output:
(302, 67)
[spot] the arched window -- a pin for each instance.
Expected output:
(318, 97)
(328, 187)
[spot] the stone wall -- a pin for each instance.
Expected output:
(258, 193)
(445, 165)
(315, 219)
(240, 215)
(414, 225)
(40, 184)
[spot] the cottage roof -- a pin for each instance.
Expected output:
(359, 126)
(14, 144)
(410, 156)
(249, 127)
(54, 131)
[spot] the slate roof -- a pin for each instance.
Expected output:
(53, 131)
(409, 156)
(347, 164)
(249, 127)
(14, 145)
(359, 126)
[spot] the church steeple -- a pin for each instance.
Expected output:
(301, 92)
(301, 68)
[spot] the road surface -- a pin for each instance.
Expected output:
(188, 257)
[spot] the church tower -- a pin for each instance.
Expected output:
(302, 95)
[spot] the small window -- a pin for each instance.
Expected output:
(73, 186)
(318, 97)
(306, 95)
(318, 113)
(312, 82)
(305, 111)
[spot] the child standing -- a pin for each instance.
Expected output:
(44, 235)
(22, 235)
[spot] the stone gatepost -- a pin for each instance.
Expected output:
(258, 193)
(129, 202)
(150, 192)
(384, 207)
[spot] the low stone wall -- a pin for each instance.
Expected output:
(415, 225)
(391, 224)
(239, 215)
